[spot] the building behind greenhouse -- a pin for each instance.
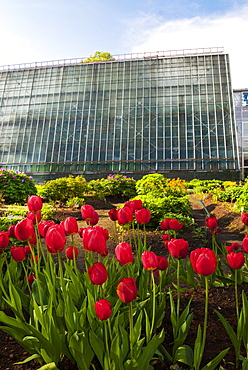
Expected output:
(166, 112)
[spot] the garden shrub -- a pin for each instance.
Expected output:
(16, 186)
(47, 212)
(6, 222)
(230, 194)
(157, 183)
(114, 185)
(242, 202)
(161, 206)
(75, 202)
(64, 188)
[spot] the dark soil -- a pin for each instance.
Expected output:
(220, 299)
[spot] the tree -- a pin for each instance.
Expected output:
(99, 56)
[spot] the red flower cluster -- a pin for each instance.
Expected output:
(171, 224)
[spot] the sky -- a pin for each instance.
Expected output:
(42, 30)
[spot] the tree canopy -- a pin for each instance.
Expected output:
(99, 56)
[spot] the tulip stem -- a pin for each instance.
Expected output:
(236, 294)
(26, 277)
(131, 328)
(153, 304)
(205, 319)
(178, 289)
(36, 276)
(106, 342)
(62, 282)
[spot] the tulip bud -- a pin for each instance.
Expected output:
(127, 290)
(134, 204)
(143, 216)
(103, 309)
(165, 224)
(235, 260)
(124, 253)
(70, 225)
(245, 244)
(244, 218)
(44, 226)
(30, 279)
(211, 222)
(87, 212)
(55, 239)
(98, 273)
(4, 239)
(71, 252)
(11, 231)
(124, 215)
(175, 224)
(149, 260)
(178, 248)
(162, 263)
(113, 214)
(18, 253)
(93, 220)
(34, 217)
(34, 203)
(24, 229)
(203, 261)
(93, 239)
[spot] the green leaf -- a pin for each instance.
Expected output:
(185, 355)
(148, 352)
(50, 366)
(98, 346)
(30, 358)
(229, 330)
(214, 363)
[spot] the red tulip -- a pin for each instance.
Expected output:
(98, 273)
(124, 215)
(11, 231)
(34, 258)
(104, 232)
(33, 240)
(55, 239)
(34, 217)
(166, 238)
(134, 204)
(24, 229)
(235, 260)
(4, 239)
(34, 203)
(93, 240)
(143, 216)
(244, 218)
(103, 309)
(175, 224)
(162, 263)
(31, 279)
(28, 249)
(71, 252)
(93, 220)
(127, 290)
(149, 260)
(18, 253)
(70, 225)
(124, 253)
(245, 244)
(113, 214)
(232, 247)
(165, 224)
(178, 248)
(211, 222)
(87, 212)
(104, 252)
(203, 261)
(44, 226)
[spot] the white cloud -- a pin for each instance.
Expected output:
(149, 33)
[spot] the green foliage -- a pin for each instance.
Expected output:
(75, 202)
(230, 194)
(47, 211)
(99, 56)
(157, 184)
(16, 186)
(5, 222)
(114, 185)
(203, 186)
(64, 188)
(166, 207)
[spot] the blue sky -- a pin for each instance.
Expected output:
(40, 30)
